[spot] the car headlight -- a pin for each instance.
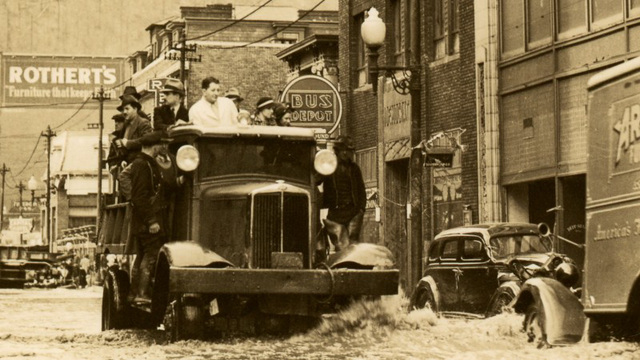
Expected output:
(188, 158)
(325, 162)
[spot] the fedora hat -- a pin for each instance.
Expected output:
(173, 85)
(155, 137)
(344, 142)
(130, 90)
(233, 93)
(129, 100)
(118, 117)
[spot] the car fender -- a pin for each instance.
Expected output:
(428, 280)
(562, 314)
(362, 256)
(189, 253)
(509, 287)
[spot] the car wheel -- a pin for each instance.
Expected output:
(114, 301)
(187, 319)
(423, 298)
(500, 301)
(534, 326)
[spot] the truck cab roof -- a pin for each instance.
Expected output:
(290, 132)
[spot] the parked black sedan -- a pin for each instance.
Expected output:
(479, 269)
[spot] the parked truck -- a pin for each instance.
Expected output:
(611, 275)
(245, 251)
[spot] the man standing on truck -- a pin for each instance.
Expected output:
(148, 223)
(172, 112)
(135, 126)
(212, 109)
(344, 196)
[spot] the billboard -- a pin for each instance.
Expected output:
(33, 80)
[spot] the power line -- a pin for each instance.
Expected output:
(30, 157)
(275, 33)
(231, 24)
(72, 115)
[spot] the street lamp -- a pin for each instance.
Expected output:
(20, 188)
(32, 185)
(373, 31)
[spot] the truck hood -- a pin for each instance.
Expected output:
(252, 188)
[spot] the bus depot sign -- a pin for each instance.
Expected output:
(315, 103)
(57, 79)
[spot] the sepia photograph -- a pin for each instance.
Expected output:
(319, 179)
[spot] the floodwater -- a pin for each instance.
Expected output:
(65, 324)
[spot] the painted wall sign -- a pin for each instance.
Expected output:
(396, 115)
(315, 102)
(57, 79)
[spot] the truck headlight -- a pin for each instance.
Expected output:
(187, 158)
(325, 162)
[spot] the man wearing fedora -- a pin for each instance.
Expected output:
(132, 91)
(172, 112)
(234, 95)
(344, 195)
(135, 126)
(212, 109)
(149, 219)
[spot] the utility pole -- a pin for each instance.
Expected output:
(20, 188)
(101, 97)
(4, 170)
(184, 50)
(49, 134)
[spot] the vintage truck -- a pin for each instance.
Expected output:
(244, 252)
(611, 276)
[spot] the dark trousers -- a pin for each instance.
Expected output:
(343, 226)
(145, 264)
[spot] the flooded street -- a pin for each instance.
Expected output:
(65, 324)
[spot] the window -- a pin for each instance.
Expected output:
(450, 250)
(446, 28)
(512, 26)
(398, 34)
(634, 8)
(540, 15)
(473, 250)
(433, 251)
(571, 18)
(367, 160)
(606, 12)
(361, 64)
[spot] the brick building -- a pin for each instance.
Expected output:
(436, 41)
(239, 52)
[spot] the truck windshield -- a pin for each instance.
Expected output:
(286, 159)
(504, 246)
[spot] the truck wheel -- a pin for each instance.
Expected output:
(187, 319)
(500, 301)
(423, 298)
(534, 326)
(114, 300)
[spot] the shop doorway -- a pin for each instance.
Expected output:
(396, 191)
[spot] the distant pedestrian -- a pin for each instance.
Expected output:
(172, 112)
(264, 112)
(234, 95)
(211, 109)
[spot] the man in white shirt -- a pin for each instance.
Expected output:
(213, 110)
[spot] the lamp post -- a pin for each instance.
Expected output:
(373, 31)
(20, 188)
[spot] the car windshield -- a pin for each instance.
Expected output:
(286, 159)
(504, 246)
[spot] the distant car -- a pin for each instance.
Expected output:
(479, 269)
(24, 273)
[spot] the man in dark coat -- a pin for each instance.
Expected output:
(135, 127)
(132, 91)
(172, 112)
(148, 223)
(116, 155)
(344, 195)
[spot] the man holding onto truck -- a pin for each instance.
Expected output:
(148, 224)
(213, 109)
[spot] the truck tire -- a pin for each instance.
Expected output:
(534, 326)
(423, 298)
(115, 308)
(187, 319)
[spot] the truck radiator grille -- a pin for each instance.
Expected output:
(280, 224)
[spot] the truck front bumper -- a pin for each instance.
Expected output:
(281, 281)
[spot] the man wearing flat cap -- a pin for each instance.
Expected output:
(135, 126)
(149, 220)
(344, 195)
(172, 112)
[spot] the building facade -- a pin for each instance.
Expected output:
(396, 133)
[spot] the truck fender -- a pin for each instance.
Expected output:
(362, 256)
(429, 282)
(561, 314)
(189, 253)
